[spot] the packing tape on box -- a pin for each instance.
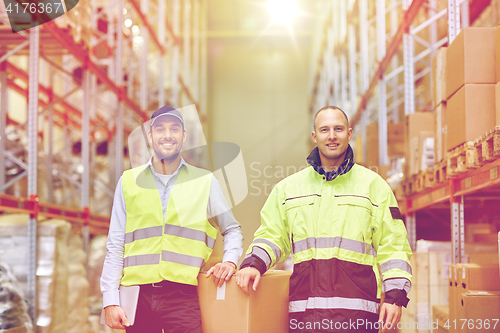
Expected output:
(221, 292)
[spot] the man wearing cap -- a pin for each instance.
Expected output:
(162, 231)
(340, 221)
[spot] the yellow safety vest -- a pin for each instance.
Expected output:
(174, 248)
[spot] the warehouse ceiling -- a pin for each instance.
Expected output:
(251, 18)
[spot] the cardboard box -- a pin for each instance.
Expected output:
(453, 298)
(439, 76)
(497, 101)
(497, 54)
(395, 142)
(415, 124)
(440, 315)
(479, 277)
(470, 113)
(441, 129)
(479, 307)
(470, 59)
(228, 309)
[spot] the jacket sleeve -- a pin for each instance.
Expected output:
(271, 242)
(393, 249)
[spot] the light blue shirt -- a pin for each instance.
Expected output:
(218, 209)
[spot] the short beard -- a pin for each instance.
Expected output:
(167, 159)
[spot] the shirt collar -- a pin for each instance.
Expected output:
(150, 165)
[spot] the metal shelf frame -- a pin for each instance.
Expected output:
(388, 75)
(108, 109)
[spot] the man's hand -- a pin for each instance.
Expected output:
(115, 317)
(244, 276)
(390, 314)
(222, 272)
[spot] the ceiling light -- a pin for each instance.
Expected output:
(282, 10)
(128, 23)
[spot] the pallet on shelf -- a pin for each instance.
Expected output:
(424, 179)
(460, 159)
(408, 185)
(487, 147)
(440, 172)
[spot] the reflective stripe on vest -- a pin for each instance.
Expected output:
(331, 242)
(173, 230)
(183, 259)
(141, 259)
(395, 264)
(274, 247)
(333, 303)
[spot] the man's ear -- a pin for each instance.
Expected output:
(150, 137)
(313, 134)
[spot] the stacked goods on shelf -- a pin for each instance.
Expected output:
(439, 93)
(474, 297)
(78, 286)
(419, 148)
(56, 278)
(13, 310)
(97, 254)
(431, 283)
(470, 86)
(395, 146)
(228, 309)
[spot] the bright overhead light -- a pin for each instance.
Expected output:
(282, 10)
(135, 30)
(124, 11)
(128, 23)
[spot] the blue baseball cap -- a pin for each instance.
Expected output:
(166, 111)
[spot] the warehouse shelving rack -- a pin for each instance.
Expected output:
(107, 109)
(390, 76)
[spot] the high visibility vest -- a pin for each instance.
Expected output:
(174, 248)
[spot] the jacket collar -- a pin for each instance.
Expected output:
(314, 160)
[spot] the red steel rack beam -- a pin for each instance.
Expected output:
(33, 207)
(42, 103)
(465, 184)
(148, 26)
(81, 52)
(408, 17)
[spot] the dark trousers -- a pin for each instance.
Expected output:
(168, 306)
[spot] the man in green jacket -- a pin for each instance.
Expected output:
(340, 221)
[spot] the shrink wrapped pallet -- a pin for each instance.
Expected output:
(97, 253)
(52, 266)
(13, 309)
(78, 286)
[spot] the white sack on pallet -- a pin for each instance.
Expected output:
(97, 253)
(78, 287)
(52, 270)
(13, 309)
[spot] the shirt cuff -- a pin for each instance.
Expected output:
(231, 257)
(396, 296)
(111, 297)
(256, 262)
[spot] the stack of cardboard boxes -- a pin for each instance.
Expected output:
(470, 85)
(464, 78)
(474, 294)
(431, 297)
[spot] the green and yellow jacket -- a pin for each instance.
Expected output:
(339, 227)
